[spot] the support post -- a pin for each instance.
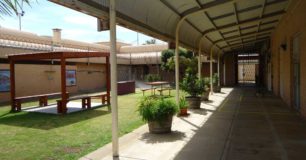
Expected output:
(12, 85)
(211, 69)
(177, 63)
(218, 69)
(108, 88)
(63, 106)
(199, 59)
(113, 62)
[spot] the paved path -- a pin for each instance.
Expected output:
(238, 127)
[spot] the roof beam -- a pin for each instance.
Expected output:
(248, 9)
(167, 4)
(248, 42)
(237, 19)
(249, 27)
(245, 35)
(215, 26)
(250, 37)
(249, 21)
(206, 6)
(261, 14)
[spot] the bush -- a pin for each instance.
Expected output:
(207, 82)
(183, 103)
(215, 79)
(152, 77)
(193, 85)
(154, 109)
(167, 58)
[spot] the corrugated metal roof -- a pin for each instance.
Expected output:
(218, 21)
(19, 41)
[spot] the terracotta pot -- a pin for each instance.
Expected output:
(183, 112)
(194, 102)
(160, 127)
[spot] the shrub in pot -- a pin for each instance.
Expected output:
(158, 113)
(194, 87)
(205, 95)
(183, 106)
(216, 87)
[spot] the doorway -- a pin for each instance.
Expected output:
(247, 69)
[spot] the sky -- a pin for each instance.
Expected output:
(42, 16)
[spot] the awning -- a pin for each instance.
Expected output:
(230, 24)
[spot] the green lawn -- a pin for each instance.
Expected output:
(43, 136)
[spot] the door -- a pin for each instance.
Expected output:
(296, 72)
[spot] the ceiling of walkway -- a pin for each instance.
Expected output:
(230, 24)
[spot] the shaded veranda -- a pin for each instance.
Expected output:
(235, 125)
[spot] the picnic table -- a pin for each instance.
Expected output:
(155, 85)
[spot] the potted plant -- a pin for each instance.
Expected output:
(194, 87)
(205, 95)
(183, 106)
(216, 87)
(158, 113)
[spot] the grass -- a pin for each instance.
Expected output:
(27, 135)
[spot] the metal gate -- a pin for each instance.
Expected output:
(247, 70)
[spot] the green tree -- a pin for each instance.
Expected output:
(10, 7)
(151, 41)
(168, 61)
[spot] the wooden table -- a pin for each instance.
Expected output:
(158, 83)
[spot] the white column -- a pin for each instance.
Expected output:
(219, 69)
(199, 60)
(177, 69)
(177, 63)
(224, 75)
(113, 64)
(211, 70)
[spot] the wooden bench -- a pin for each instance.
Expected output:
(147, 89)
(43, 100)
(104, 98)
(86, 101)
(164, 89)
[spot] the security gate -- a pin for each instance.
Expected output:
(247, 69)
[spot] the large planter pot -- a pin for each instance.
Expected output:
(217, 89)
(205, 96)
(194, 102)
(160, 127)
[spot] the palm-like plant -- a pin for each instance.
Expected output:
(10, 7)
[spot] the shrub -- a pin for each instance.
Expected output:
(207, 82)
(193, 85)
(154, 109)
(152, 77)
(183, 103)
(215, 79)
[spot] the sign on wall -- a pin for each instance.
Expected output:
(70, 77)
(4, 80)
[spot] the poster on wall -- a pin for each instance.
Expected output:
(70, 78)
(4, 80)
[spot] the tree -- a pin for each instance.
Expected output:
(167, 59)
(10, 7)
(151, 41)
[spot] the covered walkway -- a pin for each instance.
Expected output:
(249, 127)
(235, 125)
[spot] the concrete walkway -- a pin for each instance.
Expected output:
(234, 125)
